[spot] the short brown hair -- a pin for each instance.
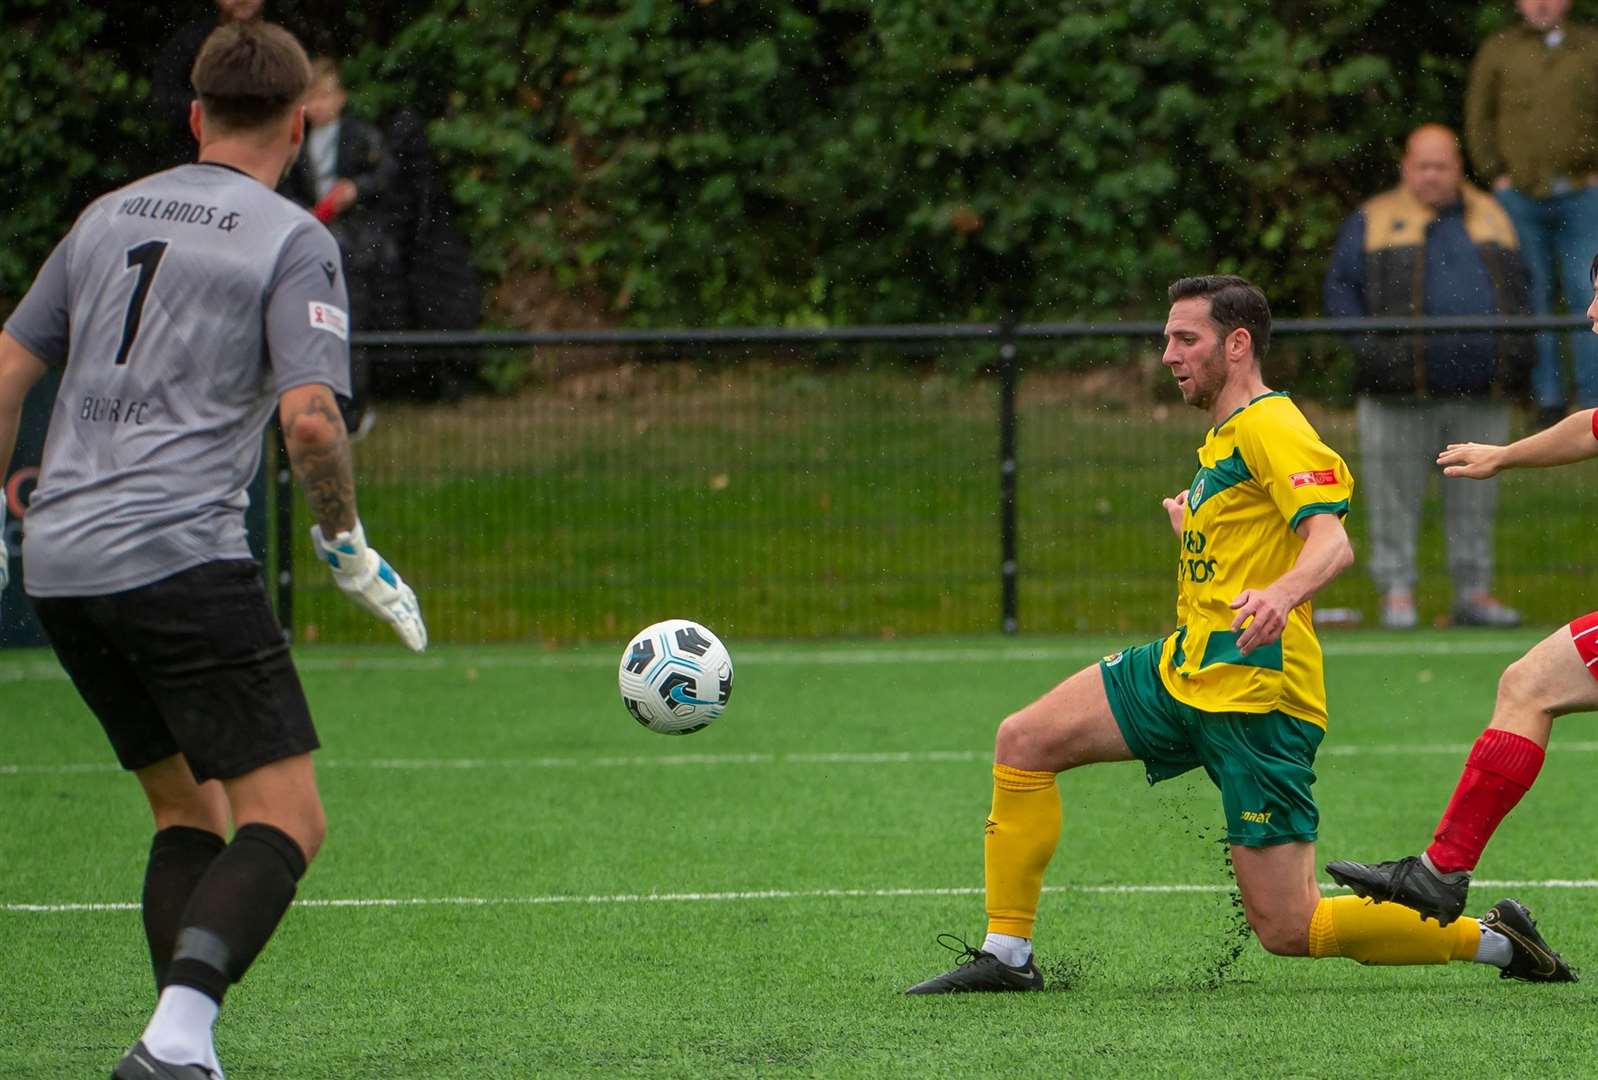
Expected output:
(1235, 303)
(249, 74)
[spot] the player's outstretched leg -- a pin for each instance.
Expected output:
(1505, 937)
(1022, 830)
(1280, 897)
(1532, 960)
(979, 971)
(1071, 725)
(1554, 678)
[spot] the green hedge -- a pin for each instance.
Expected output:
(66, 106)
(831, 161)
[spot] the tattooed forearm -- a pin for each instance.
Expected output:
(319, 450)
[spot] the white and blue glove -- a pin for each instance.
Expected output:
(367, 578)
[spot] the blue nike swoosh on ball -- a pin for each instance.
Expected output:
(678, 695)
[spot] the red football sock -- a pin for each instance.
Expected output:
(1501, 768)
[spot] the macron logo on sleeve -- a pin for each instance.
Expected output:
(1316, 477)
(329, 318)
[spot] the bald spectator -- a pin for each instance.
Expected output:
(1434, 245)
(1531, 111)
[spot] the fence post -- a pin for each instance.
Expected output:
(283, 519)
(1009, 564)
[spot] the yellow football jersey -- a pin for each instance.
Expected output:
(1262, 471)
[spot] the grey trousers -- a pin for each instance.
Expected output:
(1399, 441)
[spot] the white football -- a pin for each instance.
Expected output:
(676, 677)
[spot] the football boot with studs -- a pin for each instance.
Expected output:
(1407, 881)
(979, 972)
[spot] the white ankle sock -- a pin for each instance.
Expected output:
(180, 1030)
(1453, 877)
(1011, 950)
(1494, 948)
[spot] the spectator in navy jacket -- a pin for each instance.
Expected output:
(1434, 245)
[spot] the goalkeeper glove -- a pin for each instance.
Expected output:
(5, 569)
(367, 578)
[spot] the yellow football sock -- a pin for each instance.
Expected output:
(1022, 832)
(1387, 934)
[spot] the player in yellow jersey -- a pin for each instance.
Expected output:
(1237, 690)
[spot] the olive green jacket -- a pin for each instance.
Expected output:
(1532, 111)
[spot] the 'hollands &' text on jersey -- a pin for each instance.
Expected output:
(182, 307)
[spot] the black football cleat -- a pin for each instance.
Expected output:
(979, 972)
(1407, 881)
(140, 1064)
(1532, 959)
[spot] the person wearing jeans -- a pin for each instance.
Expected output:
(1556, 239)
(1531, 111)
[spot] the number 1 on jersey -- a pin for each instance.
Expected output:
(146, 256)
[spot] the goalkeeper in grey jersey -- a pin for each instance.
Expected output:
(183, 310)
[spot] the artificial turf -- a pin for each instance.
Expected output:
(520, 881)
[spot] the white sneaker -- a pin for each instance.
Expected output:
(364, 427)
(1398, 611)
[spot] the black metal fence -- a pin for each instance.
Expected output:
(867, 481)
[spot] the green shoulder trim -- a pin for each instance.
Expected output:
(1340, 508)
(1250, 401)
(1209, 482)
(1221, 648)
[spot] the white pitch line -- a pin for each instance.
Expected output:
(822, 655)
(742, 896)
(895, 757)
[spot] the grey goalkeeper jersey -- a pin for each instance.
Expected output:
(182, 306)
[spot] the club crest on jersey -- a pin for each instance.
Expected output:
(1196, 494)
(329, 318)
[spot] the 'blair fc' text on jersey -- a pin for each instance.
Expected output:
(180, 308)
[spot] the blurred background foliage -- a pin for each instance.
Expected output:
(714, 162)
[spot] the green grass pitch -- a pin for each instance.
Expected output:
(520, 881)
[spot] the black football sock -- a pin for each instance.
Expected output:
(235, 908)
(179, 856)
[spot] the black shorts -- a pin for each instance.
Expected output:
(193, 664)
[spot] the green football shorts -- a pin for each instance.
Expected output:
(1262, 762)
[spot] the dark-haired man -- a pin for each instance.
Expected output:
(1238, 689)
(183, 309)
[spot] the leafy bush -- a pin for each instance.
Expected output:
(838, 161)
(893, 160)
(66, 106)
